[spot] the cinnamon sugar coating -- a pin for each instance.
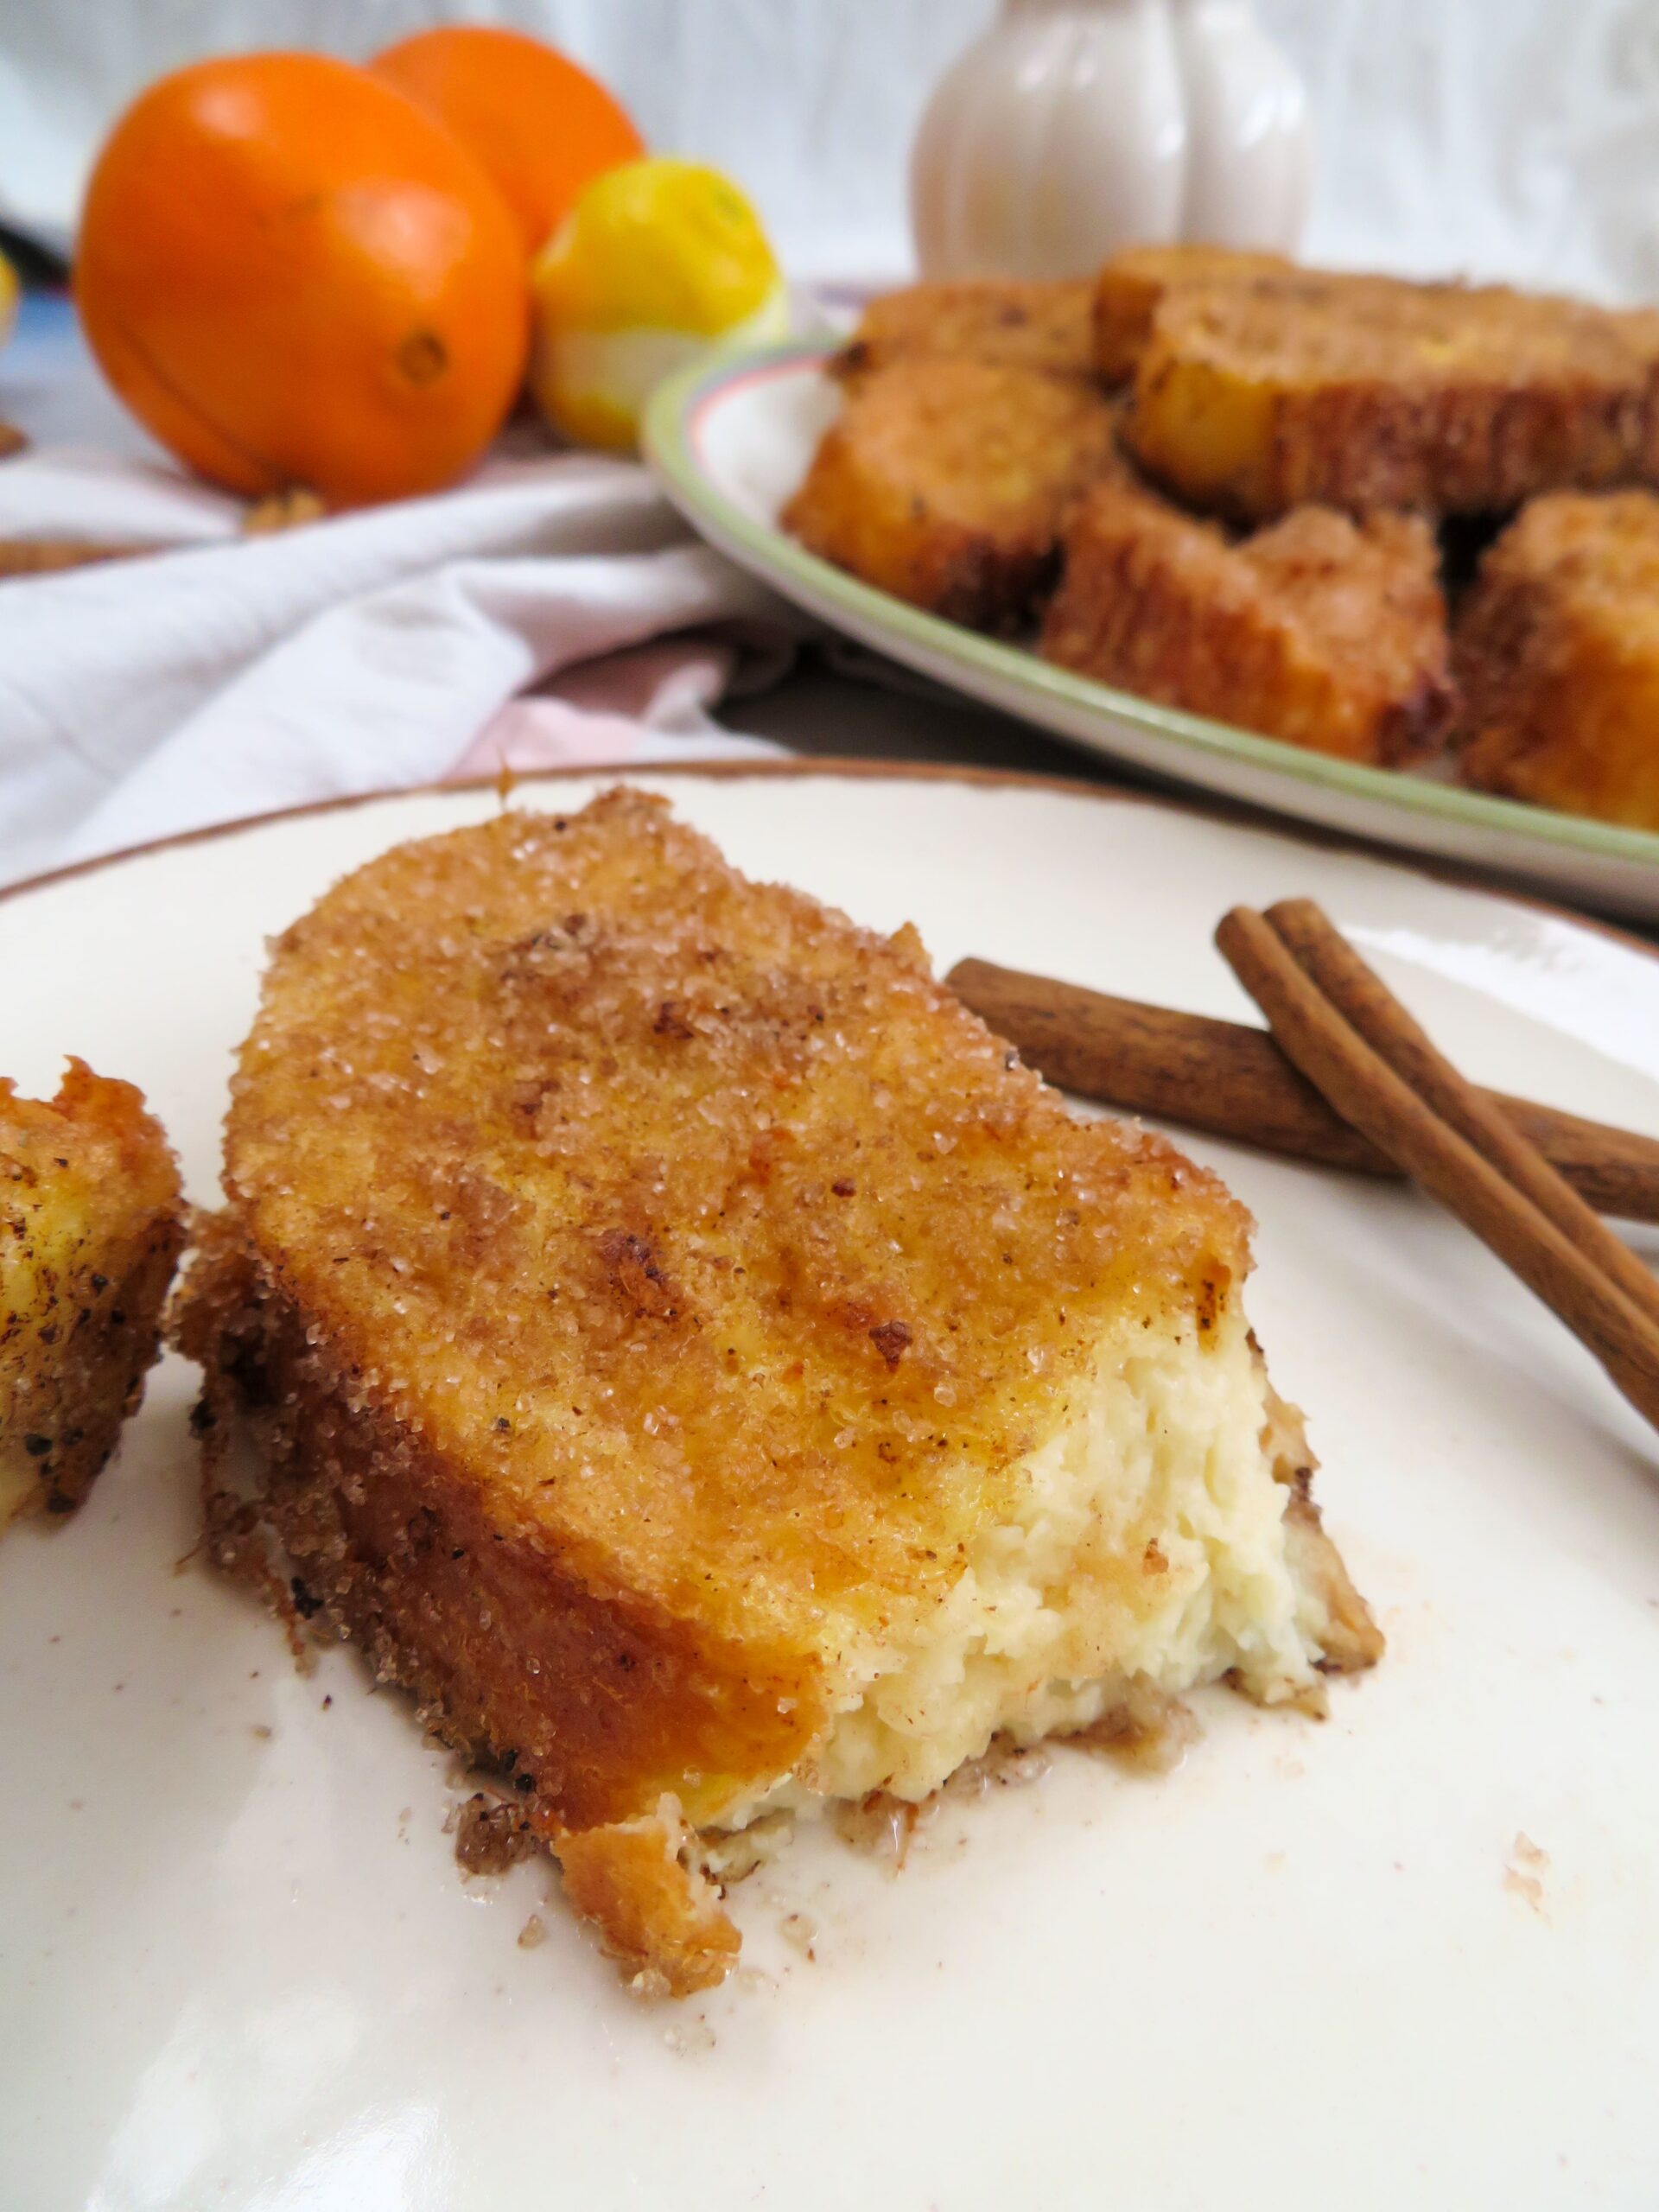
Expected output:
(542, 1123)
(1360, 392)
(90, 1226)
(1134, 284)
(1321, 631)
(1002, 319)
(947, 482)
(1557, 649)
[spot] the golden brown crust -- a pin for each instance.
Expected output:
(1360, 392)
(93, 1224)
(609, 1169)
(947, 483)
(1021, 326)
(1350, 1639)
(588, 1704)
(1134, 283)
(598, 1702)
(1320, 630)
(660, 1920)
(1557, 653)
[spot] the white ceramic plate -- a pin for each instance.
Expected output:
(1316, 1966)
(730, 442)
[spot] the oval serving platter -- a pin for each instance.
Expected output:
(730, 442)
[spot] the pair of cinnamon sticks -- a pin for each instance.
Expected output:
(1234, 1082)
(1348, 1076)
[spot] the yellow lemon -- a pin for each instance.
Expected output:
(659, 261)
(10, 288)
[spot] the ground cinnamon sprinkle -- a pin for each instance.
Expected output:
(490, 1835)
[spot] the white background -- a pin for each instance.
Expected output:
(1517, 138)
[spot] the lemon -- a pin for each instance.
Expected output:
(10, 288)
(657, 261)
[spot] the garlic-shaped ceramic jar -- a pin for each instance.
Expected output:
(1074, 127)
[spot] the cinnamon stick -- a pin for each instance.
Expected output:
(1364, 999)
(1234, 1082)
(1365, 1089)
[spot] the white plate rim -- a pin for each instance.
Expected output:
(853, 768)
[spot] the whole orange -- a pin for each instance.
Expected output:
(541, 125)
(295, 276)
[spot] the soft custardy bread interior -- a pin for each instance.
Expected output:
(685, 1347)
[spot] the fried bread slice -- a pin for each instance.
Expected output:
(1557, 654)
(91, 1209)
(1362, 392)
(1134, 283)
(1017, 326)
(947, 483)
(1322, 632)
(685, 1347)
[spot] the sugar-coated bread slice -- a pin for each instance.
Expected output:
(1134, 283)
(1007, 323)
(1557, 653)
(1360, 392)
(91, 1222)
(1325, 632)
(685, 1347)
(947, 483)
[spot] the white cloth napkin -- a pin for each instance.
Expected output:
(145, 696)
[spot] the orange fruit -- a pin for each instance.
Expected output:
(295, 276)
(541, 126)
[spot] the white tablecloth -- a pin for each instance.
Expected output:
(503, 624)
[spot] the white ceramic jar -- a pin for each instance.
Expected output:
(1074, 127)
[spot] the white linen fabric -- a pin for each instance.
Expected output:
(149, 696)
(1500, 137)
(1505, 138)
